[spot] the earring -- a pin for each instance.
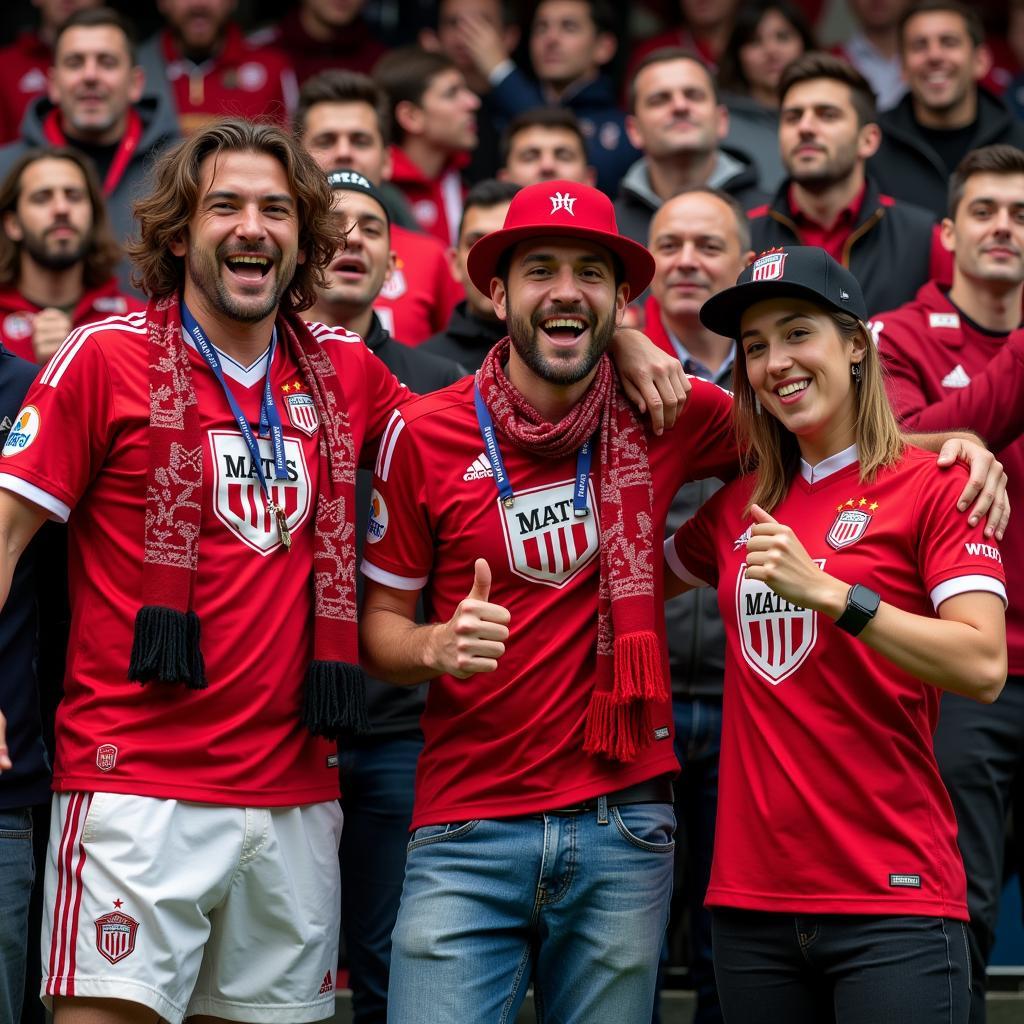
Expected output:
(857, 371)
(757, 405)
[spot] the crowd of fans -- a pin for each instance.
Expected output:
(721, 129)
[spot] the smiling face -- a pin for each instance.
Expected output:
(562, 305)
(53, 219)
(798, 366)
(987, 233)
(940, 61)
(241, 246)
(358, 272)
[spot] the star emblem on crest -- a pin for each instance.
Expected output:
(118, 904)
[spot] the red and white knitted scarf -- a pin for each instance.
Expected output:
(166, 643)
(629, 664)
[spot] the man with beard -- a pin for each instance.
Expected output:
(57, 256)
(519, 502)
(827, 131)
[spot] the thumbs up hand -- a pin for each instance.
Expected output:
(776, 557)
(473, 639)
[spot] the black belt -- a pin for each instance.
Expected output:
(652, 791)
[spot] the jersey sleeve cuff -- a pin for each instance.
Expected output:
(672, 557)
(391, 579)
(965, 585)
(54, 506)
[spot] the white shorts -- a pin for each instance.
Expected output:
(193, 908)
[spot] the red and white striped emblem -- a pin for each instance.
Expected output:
(302, 413)
(768, 267)
(775, 636)
(115, 935)
(544, 540)
(848, 527)
(238, 499)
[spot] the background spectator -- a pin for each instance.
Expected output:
(24, 63)
(827, 131)
(768, 34)
(703, 29)
(677, 122)
(545, 143)
(874, 49)
(95, 103)
(57, 255)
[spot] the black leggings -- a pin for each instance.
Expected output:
(840, 969)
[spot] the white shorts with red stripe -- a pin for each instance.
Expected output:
(193, 908)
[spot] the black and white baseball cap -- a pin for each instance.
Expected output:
(800, 271)
(353, 181)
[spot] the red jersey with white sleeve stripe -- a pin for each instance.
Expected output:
(830, 800)
(947, 373)
(79, 449)
(511, 742)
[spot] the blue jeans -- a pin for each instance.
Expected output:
(17, 871)
(850, 968)
(377, 782)
(577, 903)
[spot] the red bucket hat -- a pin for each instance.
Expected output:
(563, 209)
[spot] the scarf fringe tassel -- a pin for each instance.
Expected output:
(638, 668)
(334, 704)
(165, 648)
(618, 731)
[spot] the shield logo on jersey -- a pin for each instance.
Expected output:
(849, 526)
(545, 542)
(302, 413)
(768, 266)
(395, 286)
(775, 636)
(106, 757)
(238, 500)
(115, 935)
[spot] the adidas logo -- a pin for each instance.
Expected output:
(479, 468)
(326, 985)
(741, 540)
(956, 378)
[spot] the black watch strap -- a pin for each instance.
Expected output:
(861, 605)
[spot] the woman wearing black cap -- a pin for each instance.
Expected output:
(853, 593)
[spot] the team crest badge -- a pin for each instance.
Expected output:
(769, 266)
(395, 286)
(106, 757)
(848, 527)
(18, 326)
(115, 935)
(775, 636)
(302, 413)
(545, 542)
(238, 499)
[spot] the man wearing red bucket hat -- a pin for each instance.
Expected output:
(527, 503)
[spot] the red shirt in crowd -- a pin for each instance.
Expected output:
(436, 203)
(830, 800)
(23, 67)
(418, 298)
(80, 448)
(17, 314)
(242, 80)
(832, 238)
(511, 743)
(946, 373)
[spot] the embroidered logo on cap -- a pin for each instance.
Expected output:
(769, 266)
(563, 201)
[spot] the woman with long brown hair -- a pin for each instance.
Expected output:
(853, 593)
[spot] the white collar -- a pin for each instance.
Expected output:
(247, 376)
(834, 463)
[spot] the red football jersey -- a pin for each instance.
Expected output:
(945, 373)
(23, 67)
(510, 742)
(829, 799)
(79, 448)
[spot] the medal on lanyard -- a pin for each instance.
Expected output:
(501, 480)
(270, 421)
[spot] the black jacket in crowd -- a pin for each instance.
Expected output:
(467, 339)
(888, 250)
(908, 168)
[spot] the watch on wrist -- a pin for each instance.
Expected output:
(861, 605)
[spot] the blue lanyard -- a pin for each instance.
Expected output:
(270, 418)
(583, 460)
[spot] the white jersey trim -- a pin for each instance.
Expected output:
(672, 557)
(247, 376)
(134, 323)
(966, 585)
(57, 509)
(825, 468)
(324, 333)
(390, 579)
(388, 440)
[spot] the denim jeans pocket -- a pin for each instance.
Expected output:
(16, 825)
(425, 835)
(649, 827)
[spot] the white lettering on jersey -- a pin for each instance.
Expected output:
(237, 498)
(545, 542)
(479, 469)
(944, 320)
(984, 550)
(775, 636)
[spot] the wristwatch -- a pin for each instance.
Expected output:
(861, 605)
